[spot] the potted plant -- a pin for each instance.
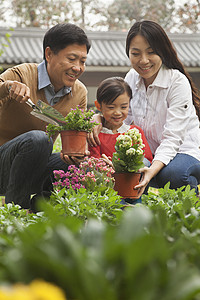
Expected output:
(74, 131)
(127, 160)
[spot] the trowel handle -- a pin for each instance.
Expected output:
(30, 103)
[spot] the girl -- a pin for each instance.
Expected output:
(113, 97)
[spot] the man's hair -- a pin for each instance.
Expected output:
(111, 88)
(62, 35)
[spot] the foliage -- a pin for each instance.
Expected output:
(103, 15)
(5, 41)
(37, 289)
(189, 17)
(151, 252)
(44, 13)
(76, 119)
(135, 259)
(122, 14)
(47, 13)
(93, 174)
(182, 208)
(129, 153)
(13, 217)
(85, 204)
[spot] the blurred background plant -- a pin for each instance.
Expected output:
(36, 290)
(152, 252)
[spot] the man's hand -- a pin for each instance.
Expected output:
(18, 91)
(74, 160)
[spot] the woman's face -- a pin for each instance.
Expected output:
(144, 60)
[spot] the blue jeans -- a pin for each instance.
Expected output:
(26, 166)
(183, 170)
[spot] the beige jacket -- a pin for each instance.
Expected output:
(15, 118)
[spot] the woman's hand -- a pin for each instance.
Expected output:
(148, 174)
(93, 137)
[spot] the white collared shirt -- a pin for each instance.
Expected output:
(45, 83)
(122, 129)
(166, 114)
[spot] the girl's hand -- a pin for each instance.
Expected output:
(93, 137)
(107, 159)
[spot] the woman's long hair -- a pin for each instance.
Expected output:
(162, 46)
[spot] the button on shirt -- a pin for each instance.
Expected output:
(166, 114)
(45, 83)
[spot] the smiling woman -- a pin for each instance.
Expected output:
(166, 105)
(144, 60)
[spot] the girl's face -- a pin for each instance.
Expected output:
(116, 112)
(144, 60)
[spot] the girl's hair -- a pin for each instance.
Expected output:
(162, 46)
(111, 88)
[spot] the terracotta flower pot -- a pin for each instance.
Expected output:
(73, 142)
(125, 182)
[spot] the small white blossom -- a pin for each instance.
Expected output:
(124, 141)
(130, 151)
(139, 151)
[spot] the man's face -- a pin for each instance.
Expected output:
(66, 66)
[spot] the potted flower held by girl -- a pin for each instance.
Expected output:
(127, 160)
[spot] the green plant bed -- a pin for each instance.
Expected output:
(96, 260)
(148, 251)
(85, 204)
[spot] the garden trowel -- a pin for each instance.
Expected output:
(46, 112)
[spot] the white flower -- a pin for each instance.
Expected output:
(124, 141)
(139, 151)
(130, 151)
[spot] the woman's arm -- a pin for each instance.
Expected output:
(148, 174)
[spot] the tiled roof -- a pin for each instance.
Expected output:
(108, 48)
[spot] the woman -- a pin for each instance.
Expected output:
(165, 104)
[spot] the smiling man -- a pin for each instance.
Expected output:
(26, 159)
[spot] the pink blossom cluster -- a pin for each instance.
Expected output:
(91, 173)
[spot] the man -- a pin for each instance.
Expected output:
(26, 159)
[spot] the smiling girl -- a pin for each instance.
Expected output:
(113, 97)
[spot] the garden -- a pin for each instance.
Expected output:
(84, 244)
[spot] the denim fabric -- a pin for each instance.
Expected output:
(26, 163)
(181, 171)
(130, 201)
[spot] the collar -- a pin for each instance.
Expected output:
(44, 80)
(121, 129)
